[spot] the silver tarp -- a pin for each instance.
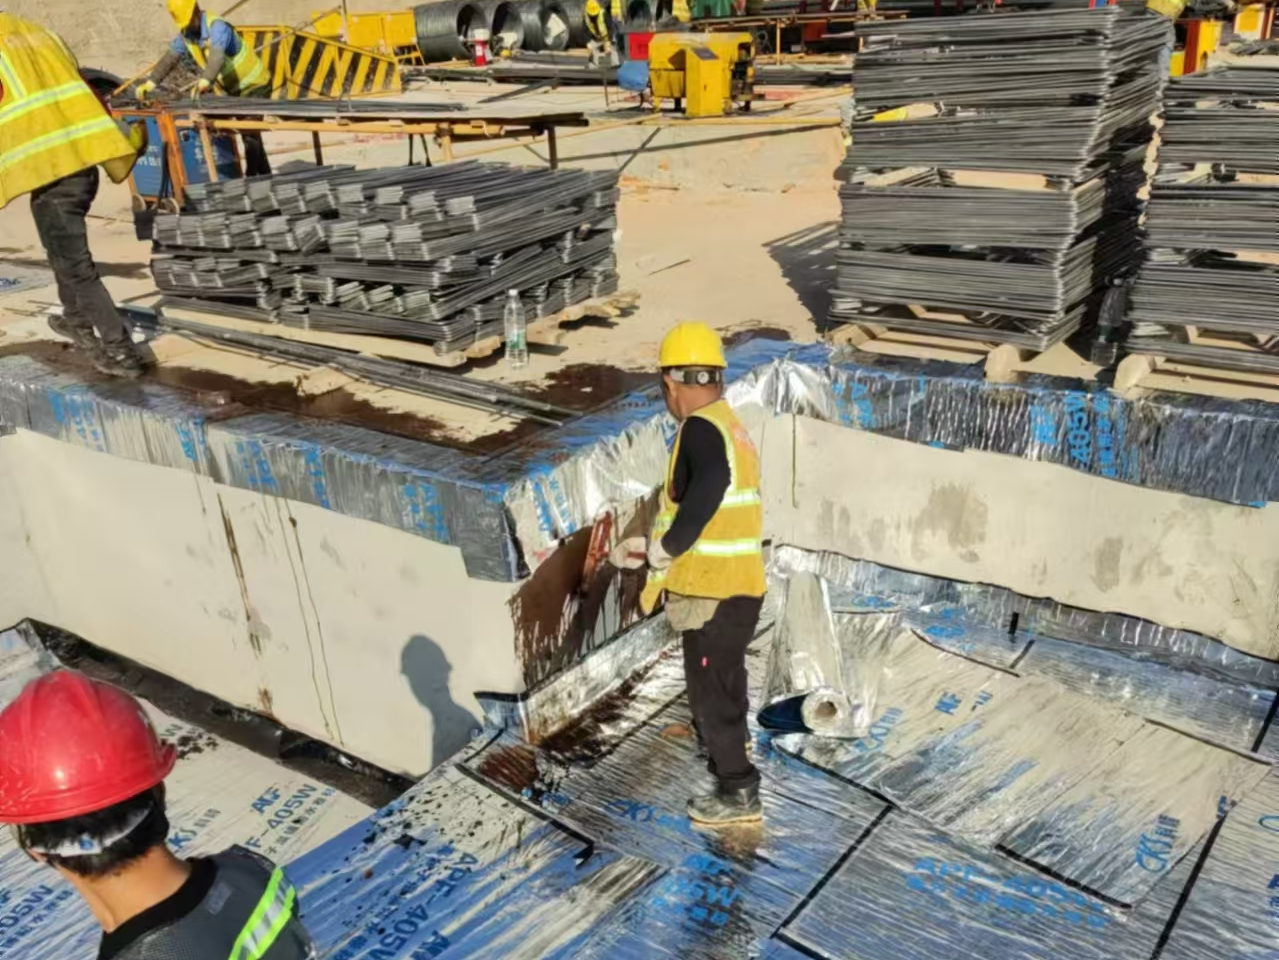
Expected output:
(916, 842)
(832, 660)
(1101, 770)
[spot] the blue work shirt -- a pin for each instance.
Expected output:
(221, 37)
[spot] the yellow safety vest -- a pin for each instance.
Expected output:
(51, 124)
(728, 559)
(597, 26)
(240, 74)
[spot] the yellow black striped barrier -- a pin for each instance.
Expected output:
(305, 65)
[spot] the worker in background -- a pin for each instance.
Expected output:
(704, 553)
(225, 60)
(616, 20)
(54, 133)
(81, 778)
(597, 26)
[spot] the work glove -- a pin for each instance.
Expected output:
(658, 558)
(203, 86)
(630, 554)
(144, 90)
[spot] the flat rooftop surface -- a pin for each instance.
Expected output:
(1017, 797)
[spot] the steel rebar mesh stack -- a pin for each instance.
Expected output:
(992, 186)
(420, 253)
(1213, 225)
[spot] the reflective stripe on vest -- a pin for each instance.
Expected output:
(727, 559)
(269, 918)
(240, 73)
(51, 124)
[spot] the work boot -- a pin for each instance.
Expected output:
(119, 360)
(83, 337)
(724, 807)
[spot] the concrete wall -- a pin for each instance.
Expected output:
(358, 634)
(1040, 529)
(375, 639)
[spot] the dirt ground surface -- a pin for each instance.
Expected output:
(732, 222)
(701, 237)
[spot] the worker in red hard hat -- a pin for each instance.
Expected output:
(82, 781)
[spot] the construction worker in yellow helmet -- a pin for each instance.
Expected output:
(704, 556)
(54, 134)
(225, 59)
(598, 26)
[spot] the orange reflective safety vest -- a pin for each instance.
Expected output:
(240, 74)
(51, 124)
(728, 558)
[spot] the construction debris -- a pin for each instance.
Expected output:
(419, 253)
(1002, 214)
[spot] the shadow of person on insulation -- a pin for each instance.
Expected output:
(426, 668)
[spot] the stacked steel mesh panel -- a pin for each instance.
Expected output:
(992, 188)
(420, 253)
(1209, 291)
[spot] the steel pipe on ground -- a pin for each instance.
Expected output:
(444, 28)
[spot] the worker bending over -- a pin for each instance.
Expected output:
(54, 132)
(598, 26)
(81, 777)
(225, 58)
(705, 555)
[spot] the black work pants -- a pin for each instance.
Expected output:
(256, 163)
(59, 209)
(715, 669)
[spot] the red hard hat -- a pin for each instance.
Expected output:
(70, 746)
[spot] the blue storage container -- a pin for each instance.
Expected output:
(148, 171)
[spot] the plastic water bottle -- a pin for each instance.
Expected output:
(516, 331)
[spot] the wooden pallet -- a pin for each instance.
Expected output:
(1002, 361)
(1141, 373)
(544, 331)
(550, 331)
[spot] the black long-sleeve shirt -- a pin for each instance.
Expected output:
(698, 484)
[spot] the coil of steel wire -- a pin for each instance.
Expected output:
(444, 28)
(506, 25)
(546, 25)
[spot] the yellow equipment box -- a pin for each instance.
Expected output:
(710, 71)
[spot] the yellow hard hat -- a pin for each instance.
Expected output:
(180, 11)
(592, 8)
(692, 344)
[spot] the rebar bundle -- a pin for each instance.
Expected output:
(413, 378)
(1001, 196)
(1213, 224)
(421, 253)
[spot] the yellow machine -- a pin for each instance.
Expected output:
(708, 71)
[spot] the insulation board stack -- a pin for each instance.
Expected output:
(1209, 291)
(991, 190)
(419, 253)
